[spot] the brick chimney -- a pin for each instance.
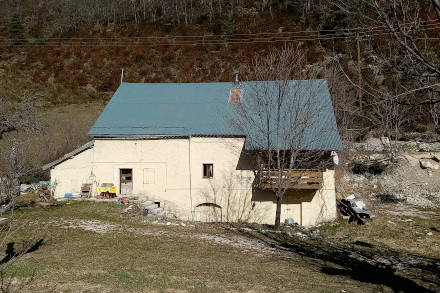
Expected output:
(235, 92)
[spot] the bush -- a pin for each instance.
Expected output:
(27, 200)
(375, 168)
(35, 177)
(359, 168)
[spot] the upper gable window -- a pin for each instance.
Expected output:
(208, 170)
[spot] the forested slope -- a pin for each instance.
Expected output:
(381, 59)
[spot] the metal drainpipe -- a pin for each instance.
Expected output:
(189, 169)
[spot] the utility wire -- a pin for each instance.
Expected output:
(213, 39)
(307, 33)
(356, 30)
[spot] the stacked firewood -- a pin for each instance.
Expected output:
(345, 208)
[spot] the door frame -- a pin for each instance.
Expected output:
(123, 180)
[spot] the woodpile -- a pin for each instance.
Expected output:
(43, 191)
(354, 210)
(345, 209)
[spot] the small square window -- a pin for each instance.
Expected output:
(149, 176)
(208, 170)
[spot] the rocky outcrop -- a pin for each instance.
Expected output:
(384, 144)
(410, 172)
(149, 207)
(429, 164)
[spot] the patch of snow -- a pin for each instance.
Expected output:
(236, 241)
(96, 226)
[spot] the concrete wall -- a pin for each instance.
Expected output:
(170, 171)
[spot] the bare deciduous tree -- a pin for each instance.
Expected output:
(434, 110)
(67, 15)
(14, 155)
(436, 4)
(233, 194)
(278, 116)
(411, 53)
(17, 115)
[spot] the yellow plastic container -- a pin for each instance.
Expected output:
(104, 189)
(101, 189)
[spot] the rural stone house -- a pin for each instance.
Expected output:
(171, 143)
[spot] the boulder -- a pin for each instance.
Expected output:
(429, 147)
(371, 144)
(374, 145)
(385, 141)
(4, 222)
(429, 164)
(377, 157)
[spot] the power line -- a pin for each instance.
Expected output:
(323, 32)
(356, 30)
(212, 39)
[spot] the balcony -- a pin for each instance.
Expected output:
(298, 179)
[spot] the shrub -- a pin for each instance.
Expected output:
(359, 168)
(375, 168)
(27, 200)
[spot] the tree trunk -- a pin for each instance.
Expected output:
(278, 212)
(436, 4)
(7, 207)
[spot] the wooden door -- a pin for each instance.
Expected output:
(126, 179)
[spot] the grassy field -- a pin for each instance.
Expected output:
(89, 247)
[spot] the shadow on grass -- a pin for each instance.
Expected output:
(11, 252)
(366, 264)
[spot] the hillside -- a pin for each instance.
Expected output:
(67, 57)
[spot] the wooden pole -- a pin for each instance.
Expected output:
(359, 72)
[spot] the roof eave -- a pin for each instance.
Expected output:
(68, 156)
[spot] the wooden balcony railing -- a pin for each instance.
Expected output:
(298, 179)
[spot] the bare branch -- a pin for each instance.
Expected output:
(278, 115)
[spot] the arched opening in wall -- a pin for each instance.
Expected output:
(208, 212)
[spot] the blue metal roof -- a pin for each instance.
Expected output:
(184, 109)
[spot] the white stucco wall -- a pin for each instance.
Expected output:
(180, 190)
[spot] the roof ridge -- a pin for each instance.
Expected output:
(215, 82)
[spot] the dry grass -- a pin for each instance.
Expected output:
(72, 74)
(138, 256)
(66, 127)
(62, 129)
(415, 231)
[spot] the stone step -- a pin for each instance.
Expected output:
(156, 211)
(161, 214)
(146, 202)
(150, 207)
